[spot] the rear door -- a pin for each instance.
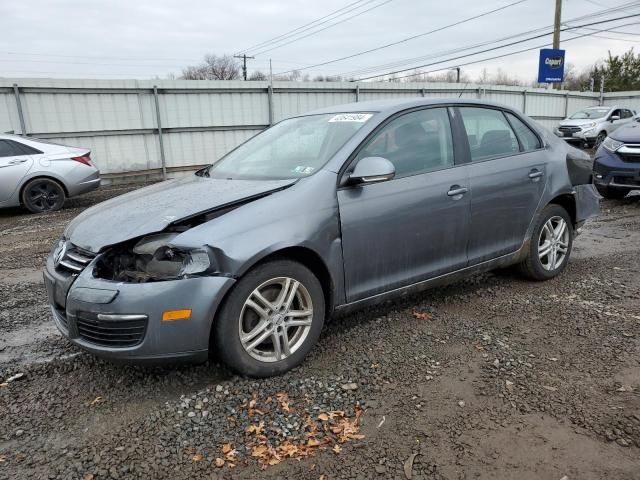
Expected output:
(507, 177)
(15, 163)
(413, 227)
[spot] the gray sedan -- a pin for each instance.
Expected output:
(40, 175)
(325, 212)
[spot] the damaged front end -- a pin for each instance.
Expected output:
(153, 258)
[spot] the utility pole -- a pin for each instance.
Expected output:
(556, 31)
(244, 64)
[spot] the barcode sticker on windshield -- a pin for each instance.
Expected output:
(351, 117)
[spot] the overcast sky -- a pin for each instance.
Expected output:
(145, 38)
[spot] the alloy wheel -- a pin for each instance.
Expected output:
(276, 319)
(43, 195)
(600, 138)
(553, 243)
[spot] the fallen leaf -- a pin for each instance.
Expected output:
(551, 389)
(324, 417)
(3, 459)
(197, 457)
(423, 315)
(255, 428)
(219, 462)
(4, 384)
(337, 449)
(408, 465)
(283, 398)
(226, 448)
(88, 476)
(96, 400)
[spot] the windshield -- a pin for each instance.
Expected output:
(590, 113)
(293, 148)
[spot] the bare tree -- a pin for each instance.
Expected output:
(215, 67)
(257, 75)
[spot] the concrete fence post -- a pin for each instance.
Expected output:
(524, 102)
(566, 105)
(159, 125)
(270, 100)
(357, 93)
(16, 93)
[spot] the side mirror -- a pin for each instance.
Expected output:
(371, 170)
(613, 118)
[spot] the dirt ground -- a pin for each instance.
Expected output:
(494, 377)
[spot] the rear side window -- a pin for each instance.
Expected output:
(416, 142)
(23, 149)
(528, 139)
(489, 133)
(7, 149)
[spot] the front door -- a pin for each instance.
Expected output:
(507, 178)
(413, 227)
(14, 165)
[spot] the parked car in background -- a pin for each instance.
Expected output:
(40, 175)
(592, 125)
(330, 211)
(616, 167)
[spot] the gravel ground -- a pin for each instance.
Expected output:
(492, 377)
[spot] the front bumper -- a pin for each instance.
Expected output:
(123, 321)
(582, 136)
(610, 171)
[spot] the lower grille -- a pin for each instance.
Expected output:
(110, 333)
(569, 129)
(630, 181)
(630, 157)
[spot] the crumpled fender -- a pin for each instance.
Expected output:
(587, 202)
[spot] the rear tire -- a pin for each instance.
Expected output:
(42, 195)
(550, 245)
(270, 320)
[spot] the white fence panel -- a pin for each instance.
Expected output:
(202, 120)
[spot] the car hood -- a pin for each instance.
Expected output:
(628, 133)
(152, 209)
(579, 121)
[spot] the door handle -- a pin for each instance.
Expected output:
(16, 162)
(535, 173)
(457, 190)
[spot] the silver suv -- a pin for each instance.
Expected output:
(592, 125)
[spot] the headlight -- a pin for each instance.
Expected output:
(152, 259)
(611, 144)
(586, 126)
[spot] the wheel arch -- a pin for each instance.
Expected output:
(568, 202)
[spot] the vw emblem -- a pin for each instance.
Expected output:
(59, 255)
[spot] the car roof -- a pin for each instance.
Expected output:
(390, 106)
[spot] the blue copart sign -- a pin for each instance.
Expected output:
(551, 67)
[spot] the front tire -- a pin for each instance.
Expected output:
(599, 139)
(271, 319)
(550, 245)
(43, 195)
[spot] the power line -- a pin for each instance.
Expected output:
(304, 27)
(325, 28)
(408, 61)
(499, 47)
(528, 49)
(583, 17)
(413, 37)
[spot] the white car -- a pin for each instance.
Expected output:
(40, 175)
(592, 125)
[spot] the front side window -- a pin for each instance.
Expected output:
(488, 132)
(293, 148)
(416, 142)
(528, 139)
